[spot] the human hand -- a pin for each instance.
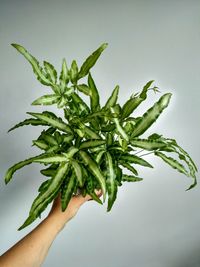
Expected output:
(75, 203)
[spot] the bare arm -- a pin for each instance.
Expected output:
(31, 250)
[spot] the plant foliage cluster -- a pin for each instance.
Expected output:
(91, 146)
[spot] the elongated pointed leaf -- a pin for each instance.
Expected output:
(120, 129)
(44, 186)
(67, 192)
(62, 102)
(35, 64)
(52, 121)
(46, 100)
(112, 100)
(183, 155)
(51, 159)
(94, 95)
(147, 144)
(91, 143)
(151, 115)
(134, 102)
(110, 181)
(50, 71)
(49, 139)
(90, 61)
(174, 143)
(172, 162)
(78, 171)
(81, 105)
(130, 178)
(74, 72)
(99, 155)
(84, 89)
(33, 122)
(45, 197)
(135, 159)
(19, 165)
(94, 169)
(91, 133)
(40, 144)
(95, 197)
(128, 166)
(64, 75)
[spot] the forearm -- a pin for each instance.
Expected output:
(33, 248)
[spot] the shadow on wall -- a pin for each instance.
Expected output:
(190, 259)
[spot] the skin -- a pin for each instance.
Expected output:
(32, 250)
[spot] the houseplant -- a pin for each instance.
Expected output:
(90, 147)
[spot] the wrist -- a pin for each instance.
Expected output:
(58, 221)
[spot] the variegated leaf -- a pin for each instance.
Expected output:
(51, 120)
(50, 71)
(46, 100)
(94, 169)
(90, 61)
(45, 197)
(33, 122)
(130, 178)
(135, 159)
(151, 115)
(19, 165)
(110, 181)
(37, 69)
(172, 162)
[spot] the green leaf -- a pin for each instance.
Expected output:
(128, 166)
(95, 197)
(151, 115)
(135, 159)
(130, 178)
(46, 100)
(94, 95)
(51, 120)
(57, 158)
(147, 144)
(91, 143)
(120, 129)
(50, 71)
(33, 122)
(35, 64)
(62, 102)
(134, 102)
(183, 155)
(94, 169)
(40, 144)
(110, 181)
(73, 72)
(49, 139)
(174, 143)
(78, 171)
(84, 89)
(99, 155)
(67, 191)
(19, 165)
(155, 136)
(50, 171)
(81, 105)
(172, 162)
(90, 61)
(64, 76)
(112, 100)
(44, 186)
(45, 197)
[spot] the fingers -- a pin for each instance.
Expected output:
(82, 199)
